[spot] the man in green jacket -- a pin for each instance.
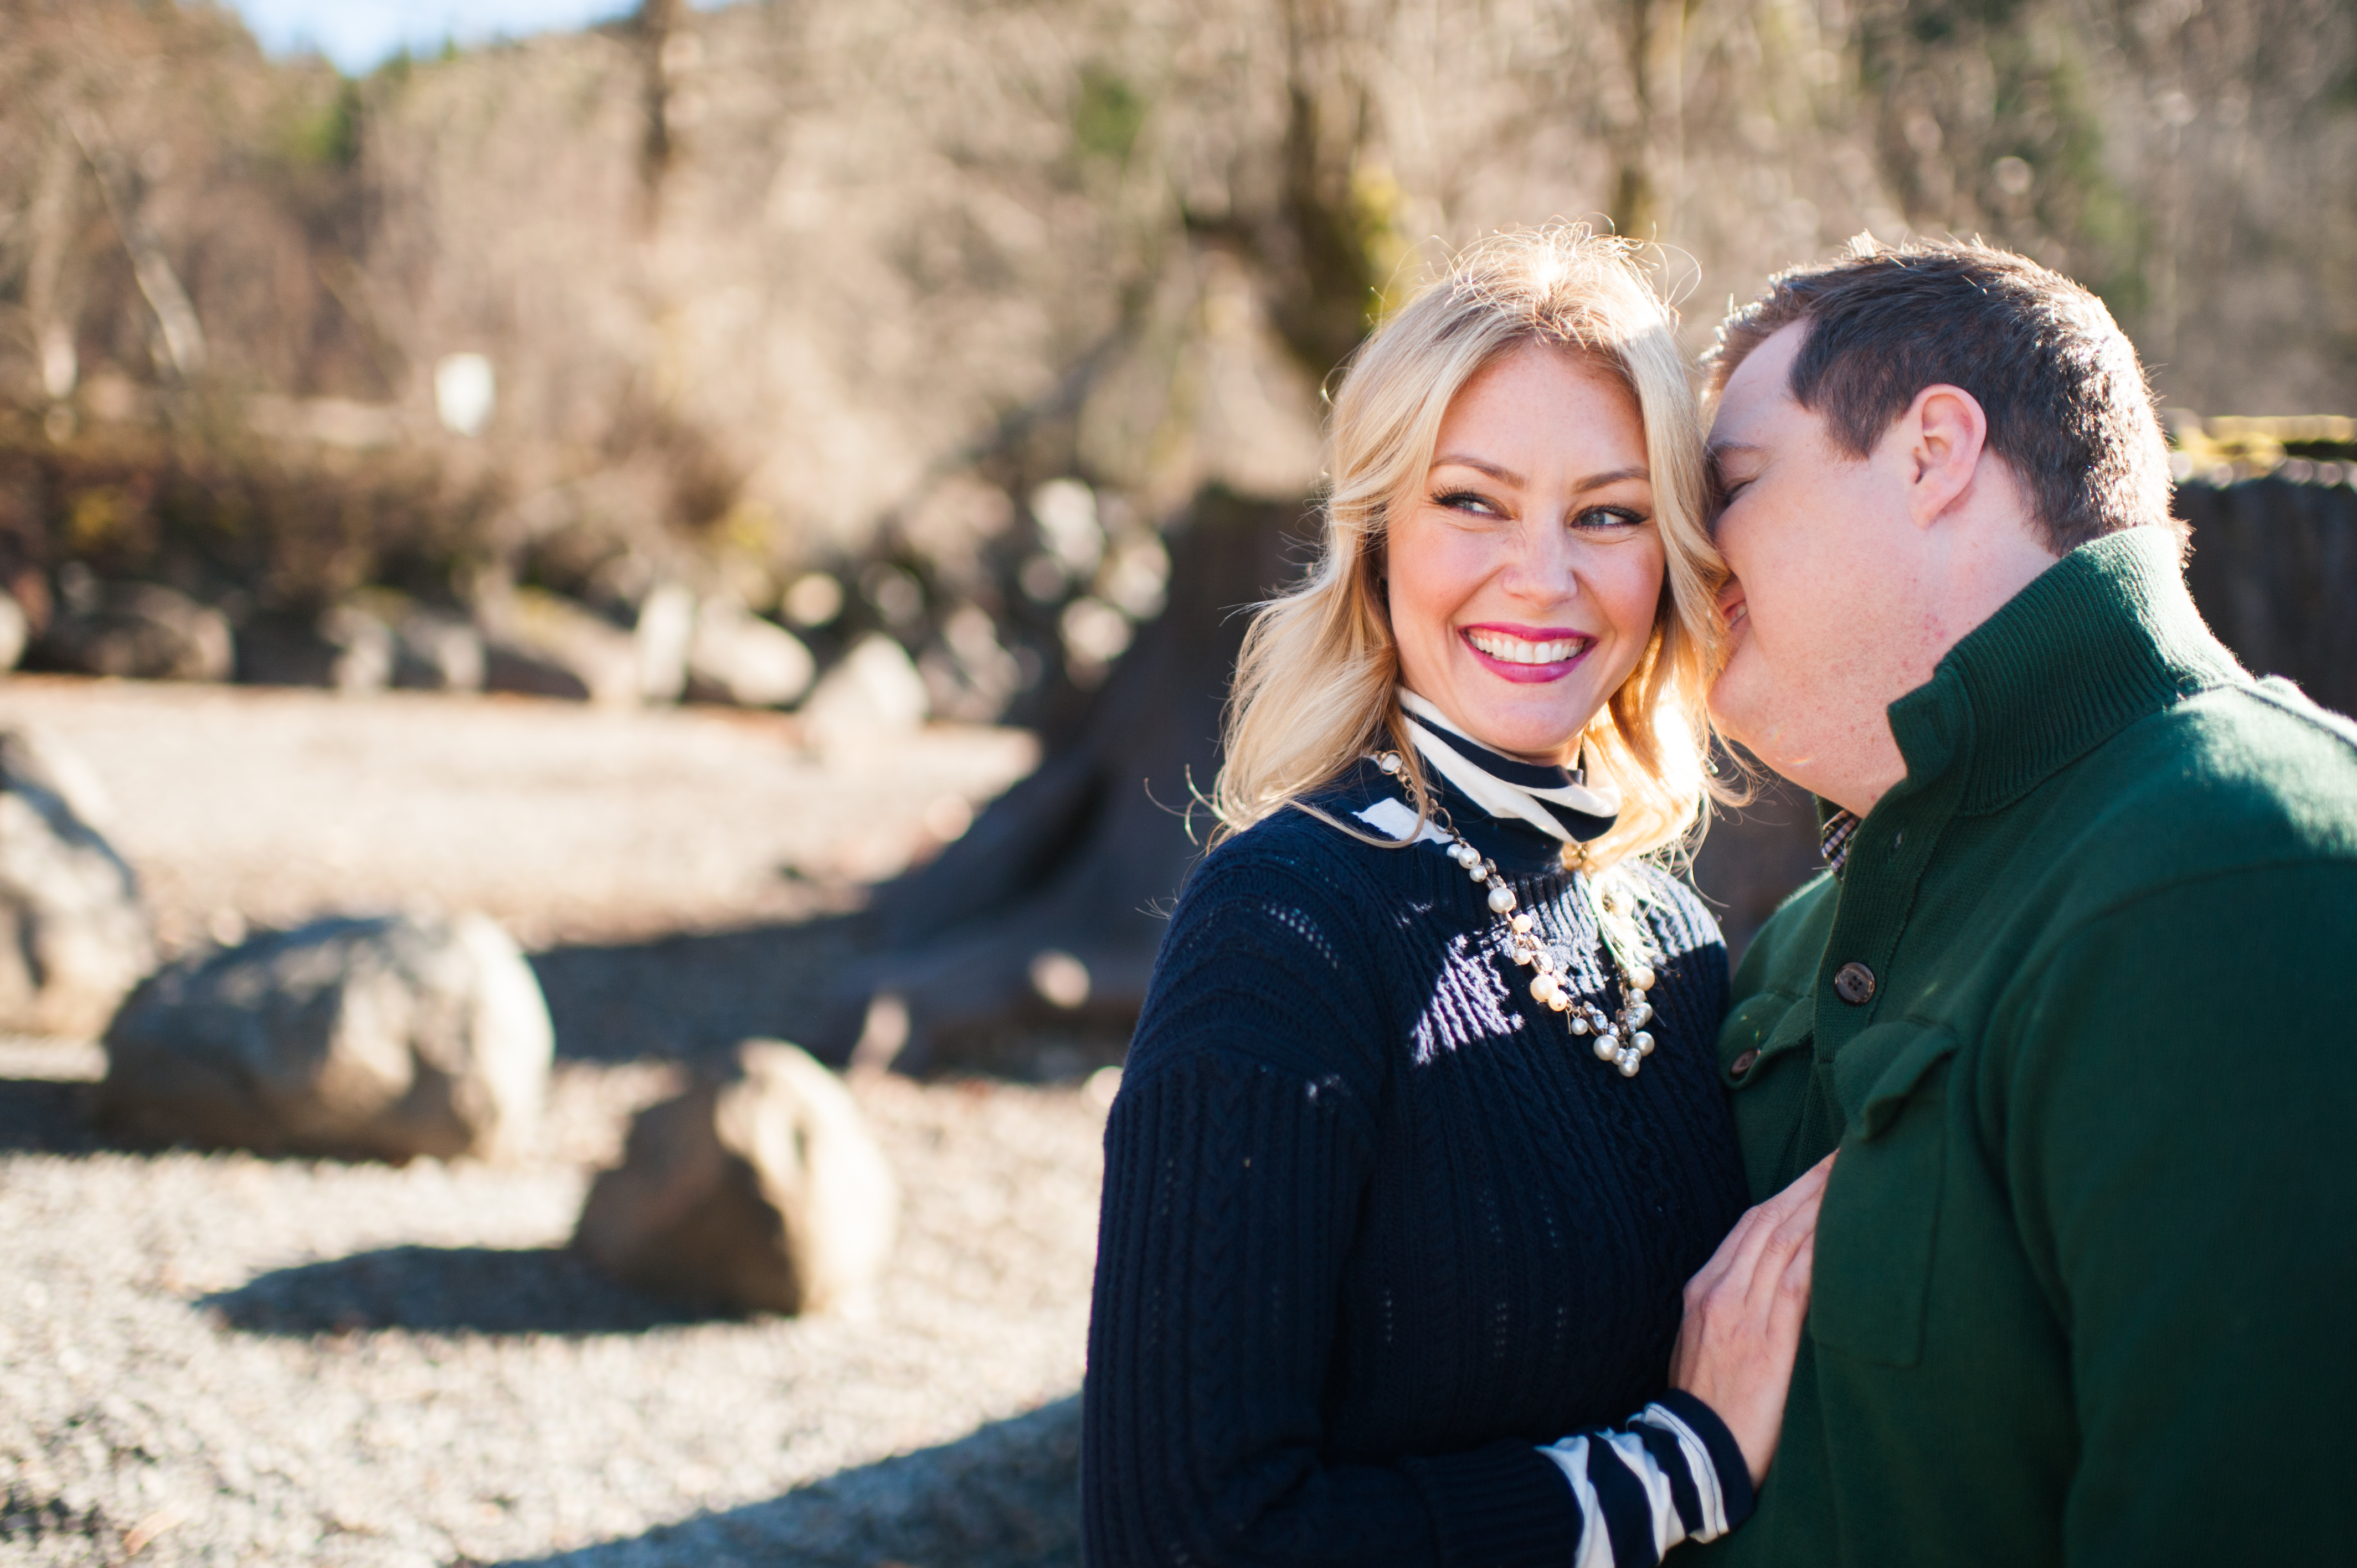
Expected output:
(2077, 999)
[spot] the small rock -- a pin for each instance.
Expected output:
(666, 628)
(543, 646)
(13, 631)
(434, 650)
(74, 935)
(139, 631)
(760, 1188)
(386, 1038)
(736, 657)
(875, 691)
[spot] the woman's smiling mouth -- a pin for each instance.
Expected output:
(1526, 653)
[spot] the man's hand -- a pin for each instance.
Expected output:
(1743, 1316)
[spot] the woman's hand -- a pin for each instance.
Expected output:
(1743, 1315)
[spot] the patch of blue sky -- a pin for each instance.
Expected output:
(359, 35)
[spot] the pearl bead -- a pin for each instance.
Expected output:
(1641, 978)
(1640, 1013)
(1522, 924)
(1627, 1062)
(1562, 1003)
(1501, 899)
(1604, 1049)
(1643, 1042)
(1579, 1023)
(1545, 989)
(1476, 872)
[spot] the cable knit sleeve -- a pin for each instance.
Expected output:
(1237, 1155)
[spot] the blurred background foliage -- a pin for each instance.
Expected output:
(960, 302)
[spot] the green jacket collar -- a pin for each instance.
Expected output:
(2103, 638)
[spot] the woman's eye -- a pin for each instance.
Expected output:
(1471, 502)
(1609, 517)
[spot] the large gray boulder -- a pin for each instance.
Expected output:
(758, 1188)
(139, 631)
(385, 1038)
(74, 935)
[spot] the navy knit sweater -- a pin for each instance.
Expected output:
(1375, 1225)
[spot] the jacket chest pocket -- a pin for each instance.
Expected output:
(1881, 1208)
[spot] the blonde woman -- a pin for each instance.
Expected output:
(1421, 1135)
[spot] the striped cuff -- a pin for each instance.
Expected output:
(1675, 1474)
(1733, 1471)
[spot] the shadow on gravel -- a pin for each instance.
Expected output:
(445, 1289)
(690, 995)
(45, 1116)
(1006, 1497)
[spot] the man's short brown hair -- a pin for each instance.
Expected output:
(2067, 404)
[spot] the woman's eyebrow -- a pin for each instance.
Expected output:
(1508, 477)
(1618, 476)
(1480, 465)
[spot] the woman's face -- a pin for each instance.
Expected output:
(1525, 572)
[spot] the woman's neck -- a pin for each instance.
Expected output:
(1554, 759)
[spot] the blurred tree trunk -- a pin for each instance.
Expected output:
(1649, 149)
(2274, 570)
(1309, 245)
(658, 23)
(1047, 911)
(50, 217)
(1047, 914)
(175, 315)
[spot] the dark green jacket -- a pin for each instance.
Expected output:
(2086, 1273)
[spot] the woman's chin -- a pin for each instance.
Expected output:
(1527, 734)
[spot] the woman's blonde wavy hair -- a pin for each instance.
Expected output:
(1315, 684)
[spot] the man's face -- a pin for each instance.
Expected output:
(1818, 541)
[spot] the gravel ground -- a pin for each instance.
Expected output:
(248, 806)
(217, 1358)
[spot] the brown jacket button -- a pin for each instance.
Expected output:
(1854, 984)
(1742, 1064)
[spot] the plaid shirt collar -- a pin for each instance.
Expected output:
(1833, 838)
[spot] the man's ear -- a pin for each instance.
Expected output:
(1945, 432)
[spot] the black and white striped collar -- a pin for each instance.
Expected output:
(1559, 801)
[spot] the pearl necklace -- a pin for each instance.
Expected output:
(1620, 1039)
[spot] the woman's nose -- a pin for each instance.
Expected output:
(1543, 567)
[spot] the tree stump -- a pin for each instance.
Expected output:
(2273, 571)
(1049, 911)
